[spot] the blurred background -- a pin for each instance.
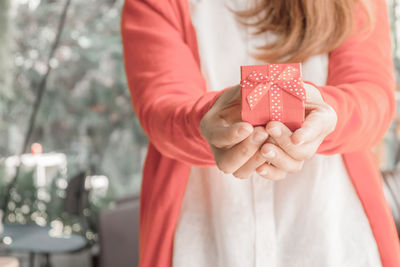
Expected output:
(71, 148)
(84, 125)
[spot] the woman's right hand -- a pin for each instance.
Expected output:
(232, 141)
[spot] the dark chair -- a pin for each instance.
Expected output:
(120, 226)
(36, 240)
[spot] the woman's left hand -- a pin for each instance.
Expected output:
(287, 151)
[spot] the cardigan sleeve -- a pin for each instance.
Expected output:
(360, 87)
(167, 89)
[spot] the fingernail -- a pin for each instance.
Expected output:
(269, 154)
(263, 172)
(244, 130)
(259, 137)
(276, 131)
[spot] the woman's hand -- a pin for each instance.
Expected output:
(290, 150)
(241, 149)
(232, 141)
(280, 162)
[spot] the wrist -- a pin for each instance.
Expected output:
(313, 94)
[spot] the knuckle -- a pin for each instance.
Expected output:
(287, 144)
(244, 150)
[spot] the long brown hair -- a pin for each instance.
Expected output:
(303, 27)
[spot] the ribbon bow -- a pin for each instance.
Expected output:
(273, 81)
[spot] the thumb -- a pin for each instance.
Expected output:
(222, 136)
(231, 95)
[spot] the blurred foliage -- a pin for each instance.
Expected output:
(46, 205)
(4, 52)
(389, 150)
(86, 112)
(394, 12)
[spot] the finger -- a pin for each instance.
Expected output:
(319, 122)
(271, 140)
(250, 166)
(226, 136)
(274, 155)
(280, 159)
(233, 158)
(310, 129)
(280, 133)
(282, 136)
(271, 172)
(313, 94)
(229, 96)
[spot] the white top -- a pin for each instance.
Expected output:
(311, 218)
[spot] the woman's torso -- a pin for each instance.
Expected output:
(311, 218)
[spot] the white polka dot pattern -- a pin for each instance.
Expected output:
(274, 81)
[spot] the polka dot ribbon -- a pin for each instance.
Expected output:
(274, 81)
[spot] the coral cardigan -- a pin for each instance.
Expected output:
(169, 97)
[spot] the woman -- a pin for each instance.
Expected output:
(308, 198)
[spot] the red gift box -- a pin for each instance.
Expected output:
(273, 92)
